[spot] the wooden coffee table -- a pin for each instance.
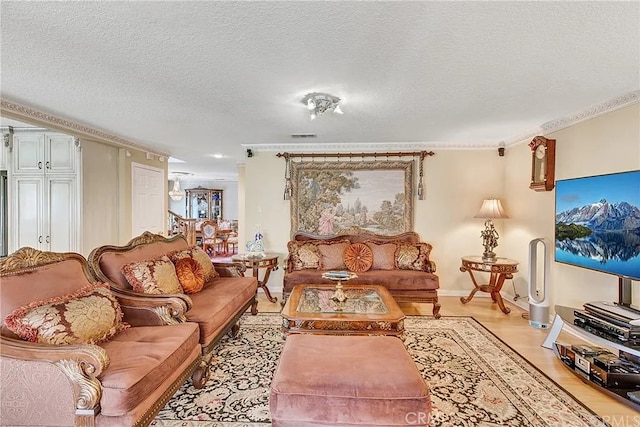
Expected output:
(368, 310)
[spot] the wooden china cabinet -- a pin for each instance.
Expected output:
(204, 203)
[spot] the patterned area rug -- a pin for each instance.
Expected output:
(475, 380)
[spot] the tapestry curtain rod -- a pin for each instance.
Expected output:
(422, 154)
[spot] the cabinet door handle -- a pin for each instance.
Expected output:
(40, 239)
(48, 165)
(39, 165)
(47, 239)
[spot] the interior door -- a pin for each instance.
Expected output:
(147, 199)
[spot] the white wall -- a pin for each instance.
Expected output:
(456, 183)
(605, 144)
(100, 183)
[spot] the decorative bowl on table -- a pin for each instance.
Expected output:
(339, 276)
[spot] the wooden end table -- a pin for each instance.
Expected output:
(368, 310)
(501, 269)
(268, 262)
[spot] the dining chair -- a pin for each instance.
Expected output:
(210, 239)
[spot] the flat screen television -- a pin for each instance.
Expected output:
(598, 223)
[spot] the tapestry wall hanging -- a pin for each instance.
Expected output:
(327, 197)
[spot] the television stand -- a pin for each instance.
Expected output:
(564, 318)
(624, 293)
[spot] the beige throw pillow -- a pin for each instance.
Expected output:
(331, 255)
(384, 255)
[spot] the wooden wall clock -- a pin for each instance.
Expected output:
(543, 163)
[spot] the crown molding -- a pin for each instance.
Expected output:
(25, 113)
(591, 112)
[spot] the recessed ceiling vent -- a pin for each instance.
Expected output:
(303, 135)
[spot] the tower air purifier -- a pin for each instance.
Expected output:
(538, 276)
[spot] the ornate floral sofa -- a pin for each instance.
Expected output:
(52, 374)
(400, 263)
(216, 308)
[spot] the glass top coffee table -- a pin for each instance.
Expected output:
(368, 310)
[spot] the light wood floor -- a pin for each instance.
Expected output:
(516, 332)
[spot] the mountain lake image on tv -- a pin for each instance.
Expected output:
(598, 223)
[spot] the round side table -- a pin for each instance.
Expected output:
(268, 262)
(500, 269)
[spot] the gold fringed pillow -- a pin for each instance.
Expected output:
(414, 256)
(88, 316)
(190, 275)
(303, 255)
(201, 257)
(156, 276)
(358, 257)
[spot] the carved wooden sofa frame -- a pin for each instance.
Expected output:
(70, 374)
(172, 308)
(428, 295)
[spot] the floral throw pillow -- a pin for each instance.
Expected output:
(201, 257)
(331, 255)
(384, 255)
(303, 255)
(156, 276)
(89, 316)
(414, 256)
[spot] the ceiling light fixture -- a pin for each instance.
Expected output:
(176, 193)
(318, 103)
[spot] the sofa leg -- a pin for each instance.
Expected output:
(202, 373)
(436, 310)
(233, 332)
(254, 306)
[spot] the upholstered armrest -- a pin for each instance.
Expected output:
(230, 269)
(432, 264)
(81, 364)
(152, 310)
(91, 359)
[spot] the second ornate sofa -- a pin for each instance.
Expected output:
(412, 281)
(216, 308)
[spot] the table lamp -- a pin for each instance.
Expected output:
(490, 209)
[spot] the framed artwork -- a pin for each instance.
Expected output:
(327, 197)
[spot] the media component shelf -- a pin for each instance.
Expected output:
(587, 361)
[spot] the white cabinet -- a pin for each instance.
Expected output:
(45, 213)
(44, 192)
(40, 153)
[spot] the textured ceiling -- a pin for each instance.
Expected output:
(195, 78)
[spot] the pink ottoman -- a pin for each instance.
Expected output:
(328, 380)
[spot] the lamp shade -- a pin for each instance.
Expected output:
(491, 208)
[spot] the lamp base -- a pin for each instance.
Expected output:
(489, 257)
